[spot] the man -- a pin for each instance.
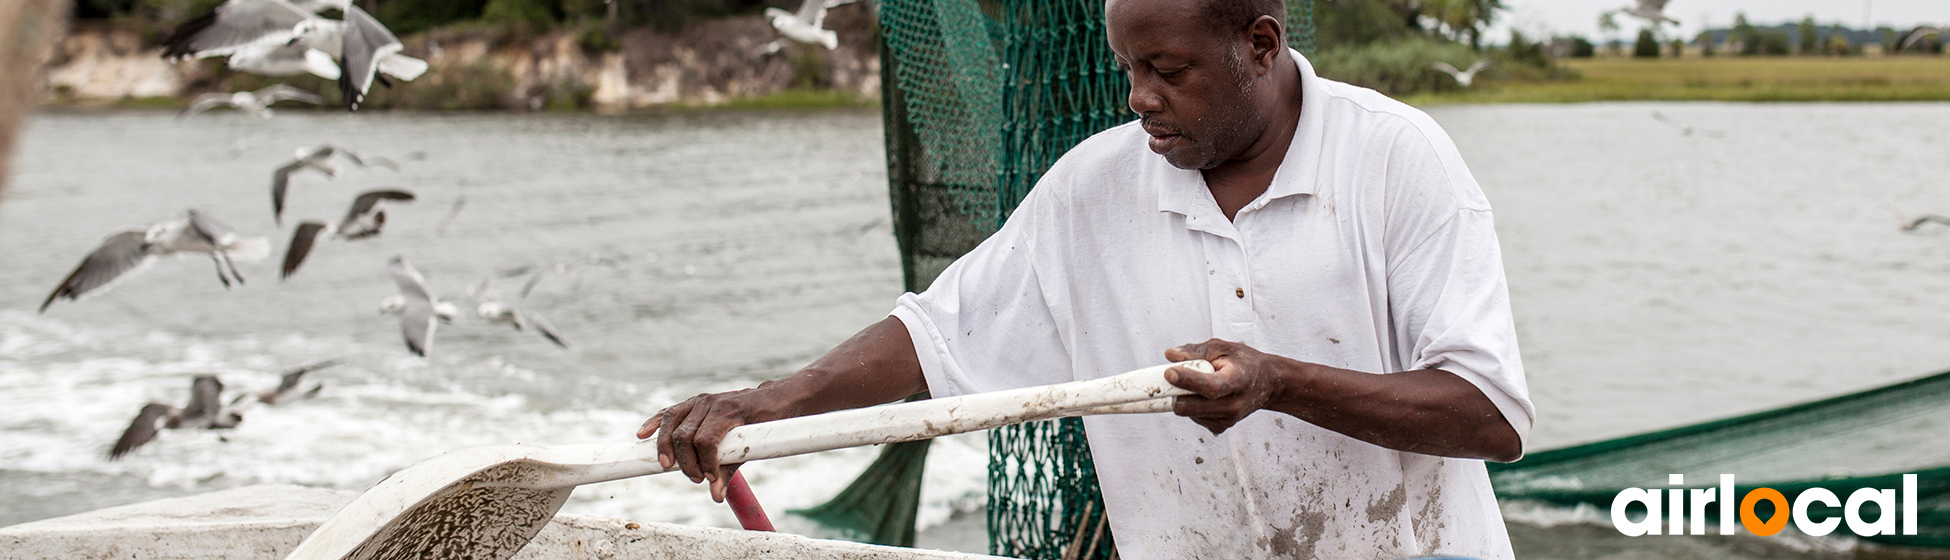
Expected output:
(1327, 240)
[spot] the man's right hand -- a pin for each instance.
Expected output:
(696, 426)
(876, 366)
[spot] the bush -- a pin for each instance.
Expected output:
(1396, 68)
(1581, 48)
(1774, 43)
(1647, 45)
(518, 13)
(476, 86)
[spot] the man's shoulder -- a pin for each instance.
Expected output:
(1376, 116)
(1115, 156)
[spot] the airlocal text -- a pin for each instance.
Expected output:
(1680, 505)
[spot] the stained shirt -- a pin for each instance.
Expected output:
(1372, 250)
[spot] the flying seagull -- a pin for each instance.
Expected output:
(1650, 10)
(1464, 77)
(1918, 221)
(1914, 36)
(315, 158)
(288, 383)
(364, 219)
(494, 311)
(256, 103)
(808, 25)
(205, 411)
(418, 309)
(127, 252)
(1686, 129)
(267, 35)
(368, 50)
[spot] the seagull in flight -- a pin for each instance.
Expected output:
(205, 411)
(1914, 36)
(1464, 77)
(315, 158)
(365, 219)
(256, 103)
(288, 384)
(1650, 10)
(125, 253)
(1912, 223)
(808, 25)
(494, 311)
(1686, 129)
(267, 35)
(420, 312)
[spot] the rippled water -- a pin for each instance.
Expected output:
(1658, 279)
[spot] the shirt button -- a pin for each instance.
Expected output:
(1241, 292)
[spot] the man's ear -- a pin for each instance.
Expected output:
(1268, 39)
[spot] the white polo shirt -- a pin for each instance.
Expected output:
(1373, 250)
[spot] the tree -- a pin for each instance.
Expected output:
(1745, 34)
(1706, 43)
(1647, 45)
(1608, 24)
(1806, 34)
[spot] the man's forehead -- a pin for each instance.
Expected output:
(1145, 29)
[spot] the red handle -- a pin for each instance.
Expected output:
(744, 504)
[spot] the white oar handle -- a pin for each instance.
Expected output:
(939, 417)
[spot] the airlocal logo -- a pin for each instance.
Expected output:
(1677, 510)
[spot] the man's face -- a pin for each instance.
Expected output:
(1189, 83)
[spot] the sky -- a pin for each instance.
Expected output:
(1580, 17)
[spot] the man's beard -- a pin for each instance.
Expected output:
(1231, 129)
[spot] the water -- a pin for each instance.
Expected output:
(1658, 279)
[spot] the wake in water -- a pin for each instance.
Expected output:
(66, 391)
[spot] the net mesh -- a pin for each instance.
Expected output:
(979, 99)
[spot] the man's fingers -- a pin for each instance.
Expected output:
(1209, 385)
(650, 427)
(685, 435)
(667, 422)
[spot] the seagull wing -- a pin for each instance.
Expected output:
(211, 230)
(411, 283)
(370, 199)
(812, 11)
(1446, 68)
(233, 25)
(1654, 6)
(206, 102)
(541, 325)
(1917, 35)
(1479, 65)
(141, 430)
(532, 281)
(281, 180)
(366, 42)
(302, 240)
(206, 398)
(281, 92)
(290, 380)
(417, 323)
(118, 256)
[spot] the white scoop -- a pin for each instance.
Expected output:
(488, 502)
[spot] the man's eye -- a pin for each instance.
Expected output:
(1170, 73)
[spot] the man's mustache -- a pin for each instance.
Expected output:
(1158, 126)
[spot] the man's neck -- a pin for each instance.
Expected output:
(1239, 181)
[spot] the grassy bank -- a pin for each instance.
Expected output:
(1725, 78)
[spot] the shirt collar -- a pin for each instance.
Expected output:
(1298, 169)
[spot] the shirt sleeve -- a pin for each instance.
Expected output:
(984, 324)
(1448, 297)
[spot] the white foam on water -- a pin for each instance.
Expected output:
(69, 393)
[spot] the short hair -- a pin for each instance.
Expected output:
(1234, 16)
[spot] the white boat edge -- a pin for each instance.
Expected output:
(268, 521)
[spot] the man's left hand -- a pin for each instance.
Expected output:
(1244, 382)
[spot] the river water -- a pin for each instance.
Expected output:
(1659, 278)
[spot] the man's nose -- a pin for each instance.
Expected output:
(1144, 99)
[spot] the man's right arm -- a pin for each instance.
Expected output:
(878, 365)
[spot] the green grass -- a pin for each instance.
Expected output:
(1725, 78)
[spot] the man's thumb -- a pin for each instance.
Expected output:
(1205, 384)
